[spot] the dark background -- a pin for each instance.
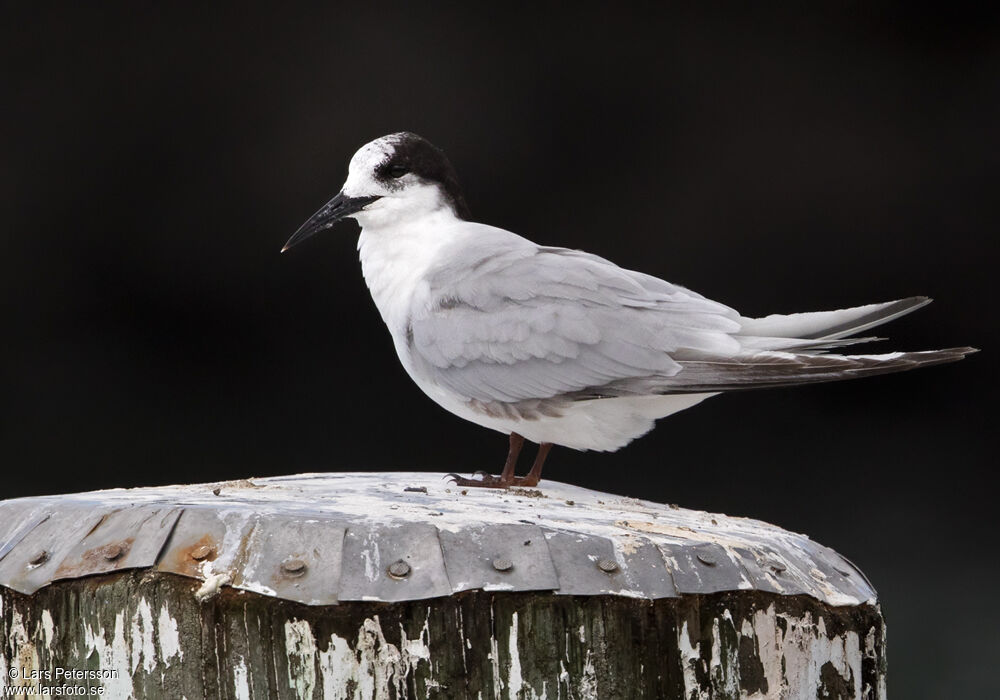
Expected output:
(154, 162)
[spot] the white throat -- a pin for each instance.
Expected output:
(395, 253)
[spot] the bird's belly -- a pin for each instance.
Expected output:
(604, 425)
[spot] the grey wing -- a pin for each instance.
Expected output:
(505, 320)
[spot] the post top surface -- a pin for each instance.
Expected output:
(324, 538)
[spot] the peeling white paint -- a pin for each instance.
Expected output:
(792, 660)
(514, 681)
(806, 647)
(169, 638)
(764, 629)
(241, 680)
(374, 668)
(48, 629)
(416, 650)
(18, 637)
(690, 658)
(300, 646)
(112, 655)
(142, 637)
(494, 657)
(723, 664)
(210, 588)
(588, 681)
(340, 669)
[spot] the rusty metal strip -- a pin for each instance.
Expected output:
(207, 541)
(33, 561)
(129, 538)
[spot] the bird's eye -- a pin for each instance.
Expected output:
(398, 170)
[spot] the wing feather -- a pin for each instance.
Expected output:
(505, 320)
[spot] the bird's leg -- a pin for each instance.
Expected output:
(506, 477)
(535, 474)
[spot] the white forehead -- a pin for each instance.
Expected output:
(361, 171)
(374, 153)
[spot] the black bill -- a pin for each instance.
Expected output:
(332, 212)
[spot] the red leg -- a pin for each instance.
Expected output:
(516, 443)
(506, 478)
(535, 474)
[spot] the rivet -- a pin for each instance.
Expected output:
(113, 551)
(706, 559)
(399, 569)
(608, 566)
(501, 564)
(40, 558)
(293, 567)
(202, 552)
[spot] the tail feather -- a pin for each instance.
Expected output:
(830, 325)
(777, 369)
(802, 345)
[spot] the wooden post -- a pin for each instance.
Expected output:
(402, 586)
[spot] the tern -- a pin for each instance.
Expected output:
(558, 346)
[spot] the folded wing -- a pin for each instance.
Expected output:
(506, 321)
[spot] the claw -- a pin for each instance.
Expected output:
(487, 481)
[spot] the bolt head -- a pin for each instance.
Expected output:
(40, 558)
(113, 551)
(706, 559)
(608, 566)
(294, 567)
(202, 552)
(501, 564)
(399, 569)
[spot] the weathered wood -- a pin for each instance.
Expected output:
(163, 643)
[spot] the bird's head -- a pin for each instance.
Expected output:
(390, 179)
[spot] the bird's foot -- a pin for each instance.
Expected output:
(488, 481)
(485, 481)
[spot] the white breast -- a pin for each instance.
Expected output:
(394, 262)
